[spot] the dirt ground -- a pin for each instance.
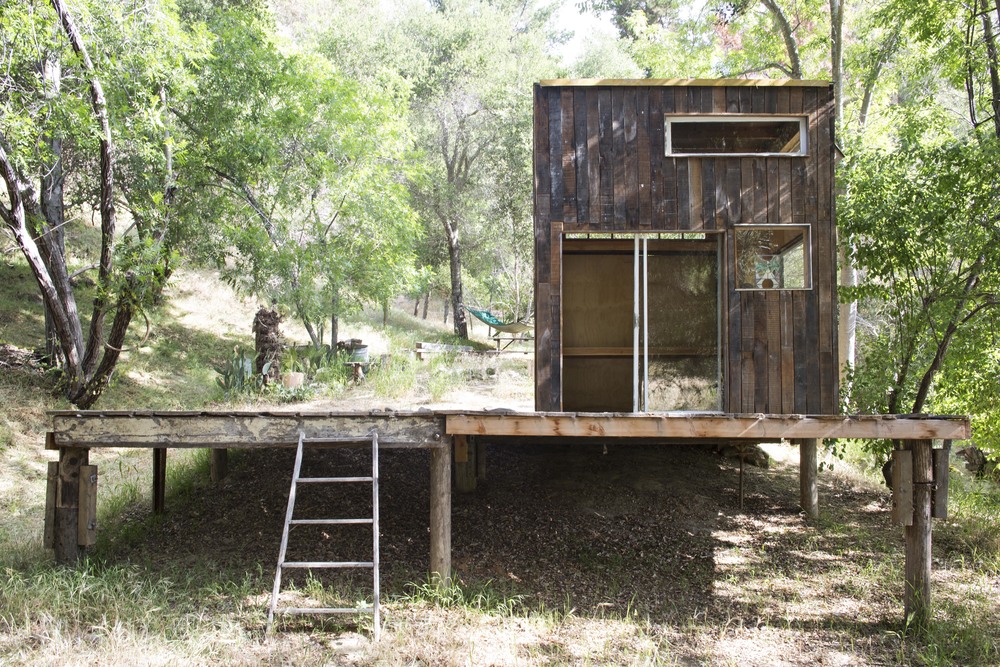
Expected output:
(586, 531)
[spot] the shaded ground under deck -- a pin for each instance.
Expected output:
(453, 438)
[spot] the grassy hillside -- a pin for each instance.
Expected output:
(579, 555)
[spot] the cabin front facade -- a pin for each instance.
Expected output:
(685, 246)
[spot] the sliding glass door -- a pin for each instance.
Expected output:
(641, 323)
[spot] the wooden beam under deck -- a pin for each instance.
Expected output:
(701, 426)
(242, 430)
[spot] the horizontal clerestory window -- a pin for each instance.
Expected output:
(736, 135)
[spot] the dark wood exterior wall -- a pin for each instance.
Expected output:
(600, 166)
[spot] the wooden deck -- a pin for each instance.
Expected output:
(430, 429)
(454, 439)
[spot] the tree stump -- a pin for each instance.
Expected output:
(267, 341)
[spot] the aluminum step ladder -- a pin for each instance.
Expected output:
(290, 521)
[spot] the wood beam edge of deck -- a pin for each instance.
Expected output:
(750, 427)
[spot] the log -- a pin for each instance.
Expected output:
(440, 520)
(424, 349)
(917, 595)
(808, 491)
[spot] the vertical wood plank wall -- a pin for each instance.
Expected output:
(600, 166)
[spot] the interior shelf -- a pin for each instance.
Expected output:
(627, 351)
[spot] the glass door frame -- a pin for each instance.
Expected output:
(640, 320)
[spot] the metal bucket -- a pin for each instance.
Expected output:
(358, 354)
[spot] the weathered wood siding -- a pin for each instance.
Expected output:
(600, 166)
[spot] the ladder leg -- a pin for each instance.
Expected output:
(284, 533)
(375, 539)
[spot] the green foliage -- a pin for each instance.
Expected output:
(282, 394)
(308, 359)
(482, 597)
(922, 222)
(394, 376)
(305, 177)
(237, 375)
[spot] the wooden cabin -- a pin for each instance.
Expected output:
(685, 246)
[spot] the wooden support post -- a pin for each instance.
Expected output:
(942, 462)
(51, 494)
(902, 487)
(808, 492)
(480, 459)
(440, 488)
(465, 463)
(159, 479)
(917, 596)
(219, 465)
(87, 526)
(67, 508)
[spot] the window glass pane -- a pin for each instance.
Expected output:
(735, 135)
(772, 258)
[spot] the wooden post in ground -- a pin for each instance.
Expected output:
(440, 491)
(66, 517)
(808, 492)
(917, 596)
(219, 465)
(87, 523)
(480, 459)
(159, 479)
(464, 448)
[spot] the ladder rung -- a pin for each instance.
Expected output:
(366, 440)
(329, 564)
(326, 522)
(332, 480)
(324, 610)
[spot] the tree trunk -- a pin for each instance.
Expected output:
(847, 326)
(416, 306)
(993, 63)
(86, 368)
(788, 36)
(847, 322)
(455, 260)
(334, 320)
(447, 303)
(837, 56)
(427, 298)
(51, 197)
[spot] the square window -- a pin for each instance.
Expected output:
(773, 257)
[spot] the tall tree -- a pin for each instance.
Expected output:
(305, 175)
(470, 85)
(35, 220)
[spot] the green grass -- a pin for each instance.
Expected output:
(109, 609)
